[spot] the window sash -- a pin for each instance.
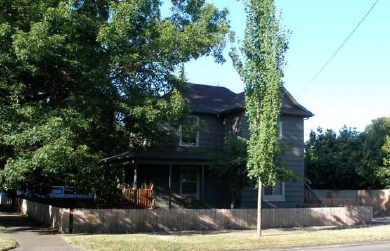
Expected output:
(190, 136)
(189, 182)
(276, 193)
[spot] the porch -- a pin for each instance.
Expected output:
(178, 179)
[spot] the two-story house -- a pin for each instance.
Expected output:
(183, 172)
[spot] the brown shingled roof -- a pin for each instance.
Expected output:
(218, 100)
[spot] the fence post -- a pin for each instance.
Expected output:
(70, 220)
(135, 198)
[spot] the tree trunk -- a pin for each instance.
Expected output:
(236, 198)
(259, 198)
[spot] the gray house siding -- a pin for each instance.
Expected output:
(292, 135)
(211, 131)
(216, 193)
(236, 124)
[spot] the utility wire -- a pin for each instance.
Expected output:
(338, 49)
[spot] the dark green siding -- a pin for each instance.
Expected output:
(216, 194)
(211, 132)
(292, 129)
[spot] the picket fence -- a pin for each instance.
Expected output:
(152, 220)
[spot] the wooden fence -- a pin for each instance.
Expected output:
(378, 199)
(150, 220)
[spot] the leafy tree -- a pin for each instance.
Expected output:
(373, 167)
(57, 104)
(349, 159)
(146, 53)
(384, 172)
(78, 76)
(263, 52)
(229, 167)
(331, 160)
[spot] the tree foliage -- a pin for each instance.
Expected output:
(77, 76)
(349, 159)
(373, 167)
(331, 160)
(229, 167)
(261, 70)
(384, 171)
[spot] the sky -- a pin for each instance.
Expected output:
(353, 88)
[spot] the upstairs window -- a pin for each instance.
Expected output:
(274, 193)
(280, 131)
(189, 132)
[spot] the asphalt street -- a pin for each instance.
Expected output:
(385, 246)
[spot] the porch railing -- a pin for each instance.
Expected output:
(310, 196)
(127, 198)
(143, 197)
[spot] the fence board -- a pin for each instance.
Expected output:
(147, 220)
(378, 199)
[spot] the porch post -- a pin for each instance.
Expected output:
(170, 186)
(135, 184)
(202, 185)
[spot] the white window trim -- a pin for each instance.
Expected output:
(275, 197)
(181, 143)
(280, 130)
(183, 196)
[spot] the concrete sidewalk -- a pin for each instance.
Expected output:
(32, 235)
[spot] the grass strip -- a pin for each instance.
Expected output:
(6, 242)
(233, 240)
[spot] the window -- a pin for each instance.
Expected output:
(275, 193)
(280, 130)
(189, 132)
(189, 182)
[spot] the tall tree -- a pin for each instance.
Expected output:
(261, 70)
(57, 105)
(147, 53)
(77, 76)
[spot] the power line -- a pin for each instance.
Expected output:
(338, 49)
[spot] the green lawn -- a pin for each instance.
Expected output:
(6, 242)
(234, 240)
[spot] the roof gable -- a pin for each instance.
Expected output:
(211, 99)
(218, 100)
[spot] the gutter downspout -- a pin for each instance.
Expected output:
(135, 183)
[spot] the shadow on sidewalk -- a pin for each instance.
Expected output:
(15, 222)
